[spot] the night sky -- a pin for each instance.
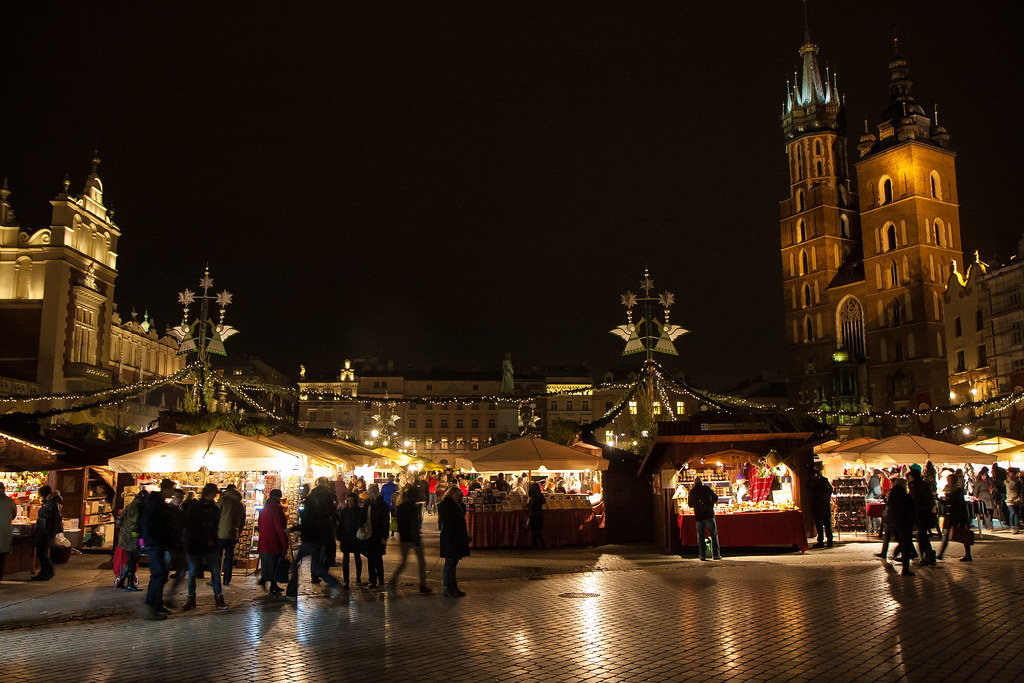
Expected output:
(440, 184)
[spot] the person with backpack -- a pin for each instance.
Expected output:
(130, 523)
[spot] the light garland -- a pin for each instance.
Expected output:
(238, 391)
(8, 437)
(134, 388)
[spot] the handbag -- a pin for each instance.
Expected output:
(965, 536)
(282, 570)
(365, 532)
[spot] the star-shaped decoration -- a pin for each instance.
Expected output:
(629, 299)
(647, 284)
(206, 282)
(224, 298)
(667, 299)
(187, 297)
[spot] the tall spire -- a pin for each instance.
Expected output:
(816, 101)
(807, 26)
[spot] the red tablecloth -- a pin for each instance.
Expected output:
(508, 529)
(876, 509)
(744, 529)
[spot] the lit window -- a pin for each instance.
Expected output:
(632, 407)
(657, 408)
(609, 436)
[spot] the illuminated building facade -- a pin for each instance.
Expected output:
(865, 258)
(61, 333)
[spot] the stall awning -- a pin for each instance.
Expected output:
(906, 449)
(532, 453)
(217, 451)
(319, 452)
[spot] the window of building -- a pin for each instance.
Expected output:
(894, 274)
(890, 237)
(807, 295)
(1013, 298)
(885, 191)
(938, 233)
(83, 349)
(957, 327)
(803, 262)
(897, 313)
(585, 404)
(428, 423)
(444, 443)
(817, 147)
(609, 437)
(1017, 364)
(808, 329)
(632, 407)
(1017, 337)
(554, 405)
(961, 363)
(490, 423)
(680, 408)
(844, 225)
(657, 408)
(458, 406)
(801, 231)
(799, 200)
(936, 186)
(430, 387)
(428, 406)
(821, 168)
(979, 320)
(898, 351)
(444, 423)
(475, 406)
(312, 415)
(568, 405)
(412, 423)
(475, 423)
(851, 327)
(367, 405)
(458, 423)
(982, 356)
(476, 387)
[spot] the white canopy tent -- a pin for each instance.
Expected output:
(533, 453)
(217, 451)
(907, 449)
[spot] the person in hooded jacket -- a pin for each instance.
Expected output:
(350, 519)
(232, 521)
(273, 540)
(201, 526)
(49, 523)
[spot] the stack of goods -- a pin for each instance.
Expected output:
(851, 498)
(487, 500)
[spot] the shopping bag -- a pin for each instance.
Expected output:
(965, 536)
(366, 531)
(282, 569)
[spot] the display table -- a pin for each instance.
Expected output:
(746, 529)
(509, 529)
(21, 558)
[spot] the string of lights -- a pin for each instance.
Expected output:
(238, 391)
(133, 389)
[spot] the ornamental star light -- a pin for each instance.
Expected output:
(206, 282)
(187, 297)
(667, 299)
(224, 298)
(629, 299)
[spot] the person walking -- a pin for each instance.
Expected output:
(232, 521)
(376, 510)
(451, 515)
(702, 500)
(157, 534)
(273, 541)
(432, 480)
(536, 518)
(957, 521)
(177, 562)
(821, 491)
(130, 524)
(316, 529)
(900, 518)
(422, 493)
(924, 513)
(408, 514)
(8, 511)
(983, 492)
(348, 525)
(201, 533)
(1014, 497)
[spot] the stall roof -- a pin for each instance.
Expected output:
(993, 444)
(321, 452)
(532, 453)
(906, 449)
(217, 451)
(17, 453)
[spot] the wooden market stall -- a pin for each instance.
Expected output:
(25, 466)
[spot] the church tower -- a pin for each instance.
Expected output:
(819, 226)
(910, 217)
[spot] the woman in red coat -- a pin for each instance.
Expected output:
(273, 540)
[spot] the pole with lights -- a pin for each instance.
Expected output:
(203, 335)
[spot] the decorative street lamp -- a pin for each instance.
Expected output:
(202, 335)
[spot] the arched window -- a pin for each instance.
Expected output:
(850, 323)
(799, 200)
(844, 225)
(911, 351)
(938, 342)
(898, 351)
(938, 233)
(894, 275)
(807, 296)
(23, 278)
(808, 329)
(803, 262)
(897, 312)
(890, 237)
(935, 304)
(908, 309)
(817, 147)
(801, 231)
(906, 269)
(885, 191)
(936, 185)
(820, 168)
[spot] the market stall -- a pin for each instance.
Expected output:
(25, 467)
(499, 519)
(755, 501)
(255, 466)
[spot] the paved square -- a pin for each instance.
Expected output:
(606, 614)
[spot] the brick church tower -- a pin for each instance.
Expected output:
(865, 260)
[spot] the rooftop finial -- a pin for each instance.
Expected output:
(807, 26)
(66, 186)
(896, 46)
(95, 159)
(936, 115)
(866, 126)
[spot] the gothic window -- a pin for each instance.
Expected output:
(897, 312)
(911, 351)
(844, 225)
(807, 296)
(885, 191)
(817, 147)
(908, 309)
(801, 231)
(938, 233)
(894, 275)
(808, 329)
(979, 320)
(935, 304)
(898, 351)
(803, 262)
(938, 343)
(890, 237)
(799, 200)
(936, 187)
(820, 170)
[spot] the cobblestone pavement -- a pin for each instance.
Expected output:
(606, 614)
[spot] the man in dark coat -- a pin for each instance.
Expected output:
(924, 513)
(821, 502)
(201, 524)
(702, 500)
(316, 527)
(900, 517)
(158, 537)
(451, 515)
(49, 523)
